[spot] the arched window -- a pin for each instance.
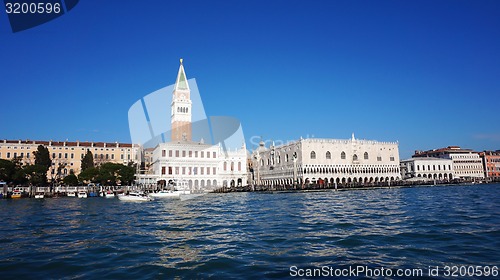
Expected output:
(286, 157)
(313, 155)
(328, 155)
(342, 155)
(365, 155)
(355, 157)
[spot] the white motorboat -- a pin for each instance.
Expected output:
(134, 197)
(72, 194)
(168, 194)
(39, 195)
(82, 194)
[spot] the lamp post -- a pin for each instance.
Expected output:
(294, 159)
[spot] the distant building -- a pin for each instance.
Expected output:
(466, 163)
(491, 164)
(199, 165)
(67, 156)
(427, 168)
(326, 162)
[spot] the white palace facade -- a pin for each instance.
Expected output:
(327, 162)
(198, 165)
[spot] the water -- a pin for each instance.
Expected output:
(250, 235)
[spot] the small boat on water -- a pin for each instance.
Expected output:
(168, 194)
(39, 195)
(16, 193)
(82, 194)
(134, 197)
(109, 194)
(72, 194)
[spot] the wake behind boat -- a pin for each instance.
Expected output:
(134, 197)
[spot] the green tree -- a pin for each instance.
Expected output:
(71, 179)
(126, 174)
(42, 157)
(7, 170)
(89, 175)
(108, 173)
(87, 161)
(36, 174)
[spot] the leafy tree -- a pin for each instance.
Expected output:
(89, 174)
(87, 161)
(71, 179)
(108, 173)
(36, 174)
(7, 170)
(42, 157)
(127, 174)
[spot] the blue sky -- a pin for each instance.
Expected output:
(424, 73)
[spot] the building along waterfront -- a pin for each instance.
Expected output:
(465, 162)
(326, 163)
(66, 156)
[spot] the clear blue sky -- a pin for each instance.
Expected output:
(424, 73)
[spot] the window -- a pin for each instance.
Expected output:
(214, 170)
(190, 153)
(208, 154)
(214, 155)
(195, 153)
(342, 155)
(183, 154)
(15, 155)
(239, 166)
(8, 155)
(208, 170)
(379, 158)
(72, 155)
(112, 156)
(202, 154)
(313, 155)
(391, 158)
(286, 158)
(355, 157)
(176, 154)
(163, 170)
(183, 170)
(232, 166)
(163, 153)
(169, 153)
(365, 156)
(328, 155)
(202, 170)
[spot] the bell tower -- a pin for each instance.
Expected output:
(181, 108)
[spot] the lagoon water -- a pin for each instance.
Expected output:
(251, 235)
